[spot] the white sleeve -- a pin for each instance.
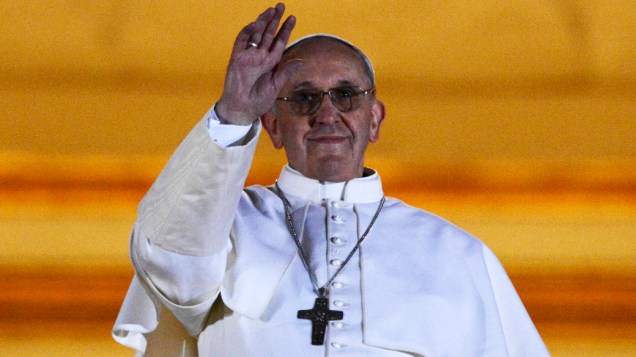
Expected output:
(224, 134)
(172, 273)
(186, 210)
(168, 300)
(180, 242)
(186, 285)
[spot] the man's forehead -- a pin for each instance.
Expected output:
(329, 48)
(326, 78)
(322, 48)
(327, 65)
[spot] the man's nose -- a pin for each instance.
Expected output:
(327, 112)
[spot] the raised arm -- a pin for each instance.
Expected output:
(180, 242)
(255, 75)
(214, 175)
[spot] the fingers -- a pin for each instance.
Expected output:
(272, 26)
(262, 22)
(263, 31)
(253, 31)
(243, 37)
(282, 37)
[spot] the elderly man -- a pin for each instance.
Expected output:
(320, 263)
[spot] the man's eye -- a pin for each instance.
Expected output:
(306, 97)
(345, 92)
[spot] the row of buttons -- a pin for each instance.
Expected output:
(338, 325)
(339, 220)
(337, 263)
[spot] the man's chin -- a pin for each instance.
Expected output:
(334, 168)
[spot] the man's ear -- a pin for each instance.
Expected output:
(270, 123)
(377, 113)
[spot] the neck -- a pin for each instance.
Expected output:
(331, 174)
(366, 189)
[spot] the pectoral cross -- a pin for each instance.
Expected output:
(319, 317)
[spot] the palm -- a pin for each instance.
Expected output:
(254, 75)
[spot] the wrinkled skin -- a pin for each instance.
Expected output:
(328, 145)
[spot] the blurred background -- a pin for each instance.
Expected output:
(514, 119)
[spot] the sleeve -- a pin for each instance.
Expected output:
(224, 134)
(186, 209)
(180, 242)
(522, 337)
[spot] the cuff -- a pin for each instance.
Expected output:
(224, 134)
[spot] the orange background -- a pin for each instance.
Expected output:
(513, 119)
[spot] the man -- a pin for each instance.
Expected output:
(320, 263)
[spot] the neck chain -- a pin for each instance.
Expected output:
(320, 314)
(324, 290)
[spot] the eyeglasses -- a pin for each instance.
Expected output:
(345, 99)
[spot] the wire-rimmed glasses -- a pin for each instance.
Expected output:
(307, 102)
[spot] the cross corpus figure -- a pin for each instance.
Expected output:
(319, 317)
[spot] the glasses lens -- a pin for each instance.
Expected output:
(346, 99)
(303, 103)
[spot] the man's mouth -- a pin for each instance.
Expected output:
(328, 139)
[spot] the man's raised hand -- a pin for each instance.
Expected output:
(255, 75)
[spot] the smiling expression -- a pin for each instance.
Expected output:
(328, 145)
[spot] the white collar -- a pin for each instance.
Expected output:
(366, 189)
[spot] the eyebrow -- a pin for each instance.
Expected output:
(303, 85)
(310, 85)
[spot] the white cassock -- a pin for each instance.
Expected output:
(216, 261)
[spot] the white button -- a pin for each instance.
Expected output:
(338, 303)
(338, 219)
(338, 240)
(336, 262)
(337, 324)
(339, 204)
(337, 345)
(337, 285)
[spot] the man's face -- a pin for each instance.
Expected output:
(327, 145)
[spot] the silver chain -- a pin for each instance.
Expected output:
(324, 290)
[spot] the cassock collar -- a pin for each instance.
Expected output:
(367, 189)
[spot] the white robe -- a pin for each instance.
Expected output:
(219, 259)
